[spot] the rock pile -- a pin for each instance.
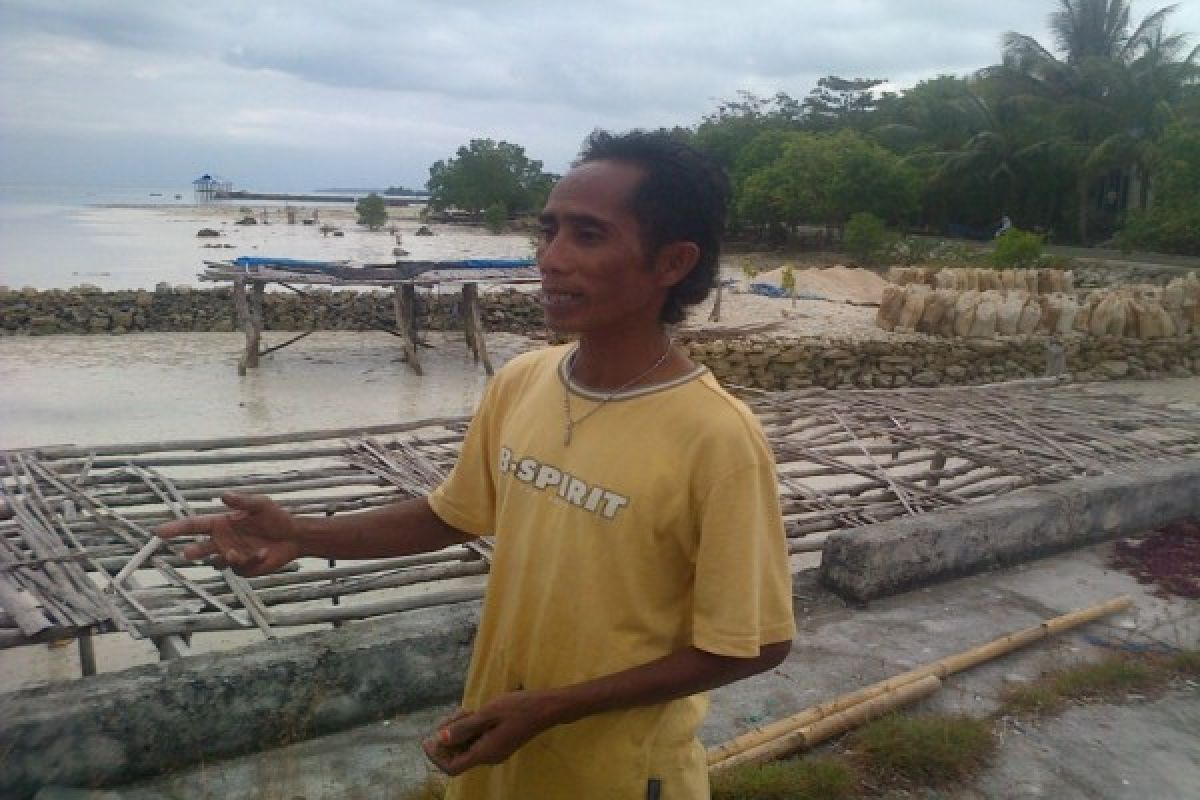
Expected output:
(88, 309)
(777, 363)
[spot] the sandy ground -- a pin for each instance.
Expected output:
(786, 317)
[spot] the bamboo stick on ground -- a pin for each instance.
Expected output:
(939, 669)
(830, 725)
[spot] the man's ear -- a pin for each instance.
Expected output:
(675, 261)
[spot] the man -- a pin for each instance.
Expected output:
(640, 558)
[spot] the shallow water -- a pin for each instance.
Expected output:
(62, 239)
(153, 386)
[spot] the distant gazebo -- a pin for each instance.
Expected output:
(209, 188)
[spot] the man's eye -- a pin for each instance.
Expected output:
(587, 235)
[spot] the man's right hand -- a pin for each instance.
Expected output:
(255, 537)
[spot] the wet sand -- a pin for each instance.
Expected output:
(152, 386)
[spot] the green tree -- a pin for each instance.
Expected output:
(840, 102)
(866, 238)
(372, 211)
(726, 132)
(1111, 89)
(1172, 224)
(823, 178)
(485, 173)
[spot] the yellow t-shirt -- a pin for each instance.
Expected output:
(657, 528)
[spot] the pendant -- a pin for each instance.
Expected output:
(567, 434)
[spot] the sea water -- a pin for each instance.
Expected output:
(106, 388)
(135, 238)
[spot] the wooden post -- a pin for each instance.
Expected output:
(87, 654)
(259, 316)
(473, 325)
(936, 464)
(715, 314)
(241, 308)
(405, 301)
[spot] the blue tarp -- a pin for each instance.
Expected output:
(302, 265)
(492, 263)
(767, 290)
(266, 261)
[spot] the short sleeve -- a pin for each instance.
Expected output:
(743, 586)
(466, 500)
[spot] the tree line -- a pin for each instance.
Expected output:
(1094, 137)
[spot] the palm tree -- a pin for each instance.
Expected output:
(1112, 88)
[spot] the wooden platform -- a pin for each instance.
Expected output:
(77, 554)
(249, 287)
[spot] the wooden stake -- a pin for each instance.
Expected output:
(404, 301)
(473, 323)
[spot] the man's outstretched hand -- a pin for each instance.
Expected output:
(255, 537)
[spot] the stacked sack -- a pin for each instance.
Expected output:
(1034, 281)
(957, 308)
(1143, 312)
(974, 314)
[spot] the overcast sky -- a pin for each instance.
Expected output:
(301, 95)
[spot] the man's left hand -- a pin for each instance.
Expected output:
(489, 735)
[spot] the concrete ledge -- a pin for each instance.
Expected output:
(879, 560)
(121, 726)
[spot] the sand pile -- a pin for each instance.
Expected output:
(842, 284)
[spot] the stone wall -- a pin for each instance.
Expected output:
(89, 310)
(760, 362)
(777, 363)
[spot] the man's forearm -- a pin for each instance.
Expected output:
(493, 732)
(682, 673)
(400, 529)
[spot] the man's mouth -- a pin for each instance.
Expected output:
(558, 299)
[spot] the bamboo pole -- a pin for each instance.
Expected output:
(210, 622)
(940, 669)
(830, 725)
(47, 454)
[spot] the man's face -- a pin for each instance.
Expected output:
(596, 275)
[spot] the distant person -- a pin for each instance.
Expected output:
(640, 556)
(1005, 226)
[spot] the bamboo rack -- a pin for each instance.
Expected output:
(77, 551)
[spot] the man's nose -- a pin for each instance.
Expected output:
(550, 256)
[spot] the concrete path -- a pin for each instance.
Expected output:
(1147, 750)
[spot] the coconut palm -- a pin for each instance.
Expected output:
(1110, 91)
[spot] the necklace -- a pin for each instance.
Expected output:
(574, 423)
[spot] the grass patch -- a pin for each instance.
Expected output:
(1110, 679)
(1107, 679)
(434, 788)
(926, 749)
(794, 779)
(1186, 663)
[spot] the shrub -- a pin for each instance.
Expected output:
(866, 238)
(372, 211)
(911, 250)
(1162, 230)
(1017, 248)
(495, 217)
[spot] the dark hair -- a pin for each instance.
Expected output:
(682, 198)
